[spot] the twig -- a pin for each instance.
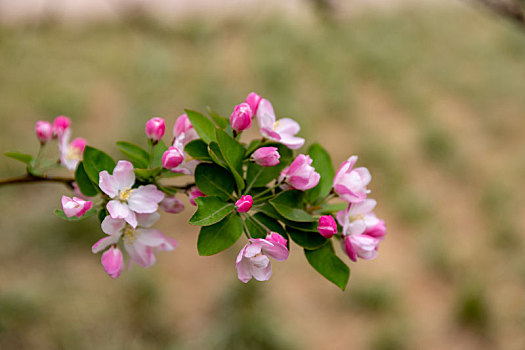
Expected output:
(34, 179)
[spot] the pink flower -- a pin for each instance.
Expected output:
(350, 184)
(358, 217)
(253, 259)
(172, 205)
(60, 125)
(183, 130)
(75, 206)
(244, 204)
(193, 193)
(378, 231)
(362, 230)
(188, 165)
(155, 128)
(44, 131)
(141, 243)
(71, 152)
(112, 262)
(172, 158)
(126, 201)
(241, 118)
(300, 174)
(327, 226)
(274, 237)
(253, 101)
(266, 156)
(282, 131)
(360, 246)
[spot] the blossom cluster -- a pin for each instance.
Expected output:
(259, 188)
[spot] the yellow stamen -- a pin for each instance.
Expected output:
(276, 124)
(74, 154)
(130, 235)
(124, 195)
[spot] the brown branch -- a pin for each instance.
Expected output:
(509, 9)
(26, 179)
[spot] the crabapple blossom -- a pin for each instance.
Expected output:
(71, 152)
(253, 101)
(253, 259)
(172, 205)
(300, 174)
(244, 204)
(126, 201)
(75, 206)
(172, 158)
(112, 262)
(183, 130)
(60, 125)
(193, 193)
(350, 184)
(282, 130)
(241, 117)
(141, 242)
(266, 156)
(155, 128)
(378, 231)
(360, 246)
(358, 217)
(44, 131)
(327, 226)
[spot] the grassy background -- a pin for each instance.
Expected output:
(431, 99)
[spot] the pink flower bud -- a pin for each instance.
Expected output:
(349, 183)
(244, 204)
(327, 226)
(172, 158)
(300, 174)
(75, 206)
(253, 101)
(44, 131)
(113, 262)
(60, 125)
(266, 156)
(241, 118)
(193, 193)
(172, 205)
(276, 238)
(155, 128)
(79, 144)
(360, 246)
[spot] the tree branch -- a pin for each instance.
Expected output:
(26, 179)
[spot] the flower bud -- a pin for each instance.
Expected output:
(113, 262)
(172, 205)
(172, 158)
(266, 156)
(155, 128)
(193, 193)
(241, 118)
(79, 144)
(253, 101)
(44, 131)
(60, 125)
(327, 226)
(244, 204)
(75, 206)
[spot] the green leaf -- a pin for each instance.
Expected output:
(222, 235)
(102, 213)
(24, 158)
(96, 161)
(233, 153)
(309, 240)
(198, 150)
(331, 208)
(323, 165)
(214, 180)
(60, 213)
(324, 261)
(220, 121)
(137, 155)
(268, 210)
(158, 152)
(216, 154)
(84, 183)
(147, 173)
(210, 211)
(287, 203)
(260, 224)
(202, 125)
(252, 147)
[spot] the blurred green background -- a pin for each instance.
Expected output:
(432, 99)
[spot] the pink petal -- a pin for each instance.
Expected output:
(147, 220)
(124, 174)
(153, 238)
(260, 268)
(112, 226)
(140, 254)
(265, 114)
(145, 199)
(108, 184)
(103, 243)
(276, 251)
(112, 262)
(287, 126)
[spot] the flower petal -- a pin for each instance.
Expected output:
(124, 174)
(147, 220)
(112, 226)
(145, 199)
(108, 184)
